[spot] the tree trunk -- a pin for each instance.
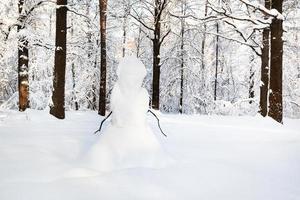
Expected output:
(23, 83)
(124, 36)
(74, 93)
(275, 98)
(251, 81)
(182, 61)
(91, 97)
(58, 96)
(217, 62)
(265, 58)
(102, 98)
(139, 41)
(156, 57)
(94, 98)
(204, 41)
(156, 75)
(74, 87)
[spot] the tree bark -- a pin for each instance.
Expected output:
(102, 98)
(124, 37)
(156, 56)
(58, 96)
(265, 58)
(182, 62)
(275, 98)
(217, 62)
(251, 81)
(204, 41)
(23, 58)
(74, 87)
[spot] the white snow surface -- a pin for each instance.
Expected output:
(127, 141)
(216, 158)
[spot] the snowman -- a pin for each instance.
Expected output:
(128, 141)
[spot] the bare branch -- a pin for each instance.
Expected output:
(164, 37)
(273, 13)
(140, 21)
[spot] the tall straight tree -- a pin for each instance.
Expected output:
(23, 84)
(275, 97)
(204, 39)
(158, 38)
(217, 56)
(265, 58)
(58, 96)
(103, 63)
(217, 61)
(159, 7)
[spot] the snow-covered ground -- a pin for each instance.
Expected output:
(217, 158)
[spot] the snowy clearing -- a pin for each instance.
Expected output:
(217, 158)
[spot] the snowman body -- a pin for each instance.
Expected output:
(127, 141)
(129, 108)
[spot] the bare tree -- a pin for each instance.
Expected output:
(251, 80)
(217, 57)
(275, 97)
(103, 63)
(182, 22)
(273, 42)
(265, 58)
(73, 71)
(58, 96)
(23, 83)
(159, 7)
(204, 39)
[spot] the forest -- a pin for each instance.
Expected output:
(149, 99)
(202, 57)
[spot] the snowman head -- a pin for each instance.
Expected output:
(131, 73)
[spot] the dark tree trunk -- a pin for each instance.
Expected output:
(275, 98)
(251, 83)
(74, 88)
(204, 41)
(265, 57)
(182, 63)
(23, 82)
(124, 36)
(102, 98)
(156, 75)
(58, 96)
(156, 57)
(217, 62)
(159, 7)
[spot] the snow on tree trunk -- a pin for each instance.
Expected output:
(23, 83)
(217, 61)
(58, 96)
(265, 58)
(156, 55)
(275, 97)
(251, 80)
(182, 61)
